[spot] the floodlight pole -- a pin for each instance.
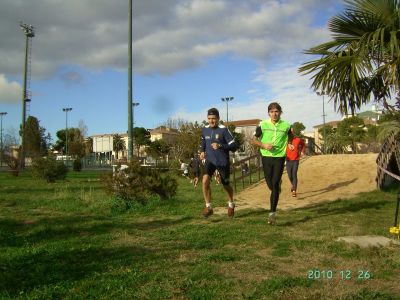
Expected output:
(130, 104)
(29, 32)
(1, 137)
(66, 109)
(227, 99)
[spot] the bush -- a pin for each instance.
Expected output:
(49, 169)
(13, 164)
(77, 165)
(138, 184)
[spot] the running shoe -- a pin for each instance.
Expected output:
(231, 211)
(271, 218)
(294, 194)
(207, 211)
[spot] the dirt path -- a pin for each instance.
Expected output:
(321, 178)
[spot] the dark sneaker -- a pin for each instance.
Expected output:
(207, 212)
(231, 211)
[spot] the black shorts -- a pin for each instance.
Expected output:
(224, 171)
(196, 173)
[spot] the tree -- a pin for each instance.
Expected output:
(187, 141)
(351, 132)
(142, 138)
(36, 140)
(332, 141)
(118, 144)
(158, 148)
(88, 145)
(362, 59)
(387, 124)
(76, 142)
(298, 127)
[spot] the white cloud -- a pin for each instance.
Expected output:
(169, 35)
(283, 85)
(10, 92)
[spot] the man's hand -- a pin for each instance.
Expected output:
(267, 146)
(215, 146)
(202, 156)
(291, 147)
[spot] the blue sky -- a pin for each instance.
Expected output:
(187, 55)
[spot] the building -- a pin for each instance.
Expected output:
(103, 143)
(247, 128)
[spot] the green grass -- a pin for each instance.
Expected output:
(65, 240)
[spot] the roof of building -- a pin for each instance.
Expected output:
(164, 129)
(242, 123)
(331, 123)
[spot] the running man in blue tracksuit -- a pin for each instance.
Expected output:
(216, 142)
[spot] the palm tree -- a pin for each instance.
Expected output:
(363, 59)
(118, 144)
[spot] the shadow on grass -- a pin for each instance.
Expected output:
(324, 210)
(16, 234)
(329, 188)
(38, 269)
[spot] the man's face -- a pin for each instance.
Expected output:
(274, 114)
(212, 121)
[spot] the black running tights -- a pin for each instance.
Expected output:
(273, 170)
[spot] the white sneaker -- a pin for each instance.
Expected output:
(271, 218)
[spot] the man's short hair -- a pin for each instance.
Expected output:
(213, 112)
(274, 105)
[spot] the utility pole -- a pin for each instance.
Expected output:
(227, 99)
(323, 119)
(130, 104)
(1, 137)
(29, 32)
(133, 123)
(66, 109)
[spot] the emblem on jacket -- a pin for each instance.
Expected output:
(217, 136)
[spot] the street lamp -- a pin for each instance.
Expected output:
(323, 118)
(227, 99)
(133, 123)
(66, 109)
(1, 137)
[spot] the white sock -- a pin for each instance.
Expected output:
(208, 205)
(231, 204)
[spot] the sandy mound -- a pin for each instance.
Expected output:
(321, 178)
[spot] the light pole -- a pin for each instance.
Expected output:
(323, 118)
(227, 99)
(133, 123)
(66, 109)
(29, 32)
(1, 137)
(130, 104)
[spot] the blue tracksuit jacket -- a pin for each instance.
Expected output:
(222, 136)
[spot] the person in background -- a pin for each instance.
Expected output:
(295, 148)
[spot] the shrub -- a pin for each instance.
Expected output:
(77, 165)
(139, 184)
(13, 164)
(49, 169)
